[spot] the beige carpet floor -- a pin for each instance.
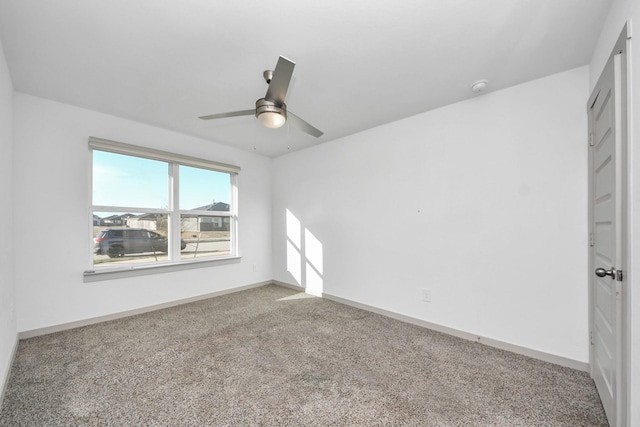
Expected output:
(271, 356)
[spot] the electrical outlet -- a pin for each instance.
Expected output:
(426, 295)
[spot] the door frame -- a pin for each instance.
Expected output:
(622, 404)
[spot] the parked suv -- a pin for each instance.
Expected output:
(117, 242)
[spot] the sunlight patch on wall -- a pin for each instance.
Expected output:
(313, 250)
(313, 253)
(294, 248)
(294, 262)
(293, 230)
(313, 282)
(304, 256)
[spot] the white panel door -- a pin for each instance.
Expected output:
(606, 249)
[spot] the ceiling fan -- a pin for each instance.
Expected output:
(271, 110)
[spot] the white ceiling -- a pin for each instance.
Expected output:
(359, 64)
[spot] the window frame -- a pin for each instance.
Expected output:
(174, 213)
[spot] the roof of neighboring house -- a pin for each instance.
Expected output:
(217, 206)
(121, 216)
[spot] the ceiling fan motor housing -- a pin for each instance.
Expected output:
(264, 105)
(271, 114)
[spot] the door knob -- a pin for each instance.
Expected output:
(601, 272)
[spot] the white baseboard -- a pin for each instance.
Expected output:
(535, 354)
(85, 322)
(5, 381)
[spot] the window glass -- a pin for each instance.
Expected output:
(120, 180)
(135, 218)
(131, 241)
(205, 236)
(204, 189)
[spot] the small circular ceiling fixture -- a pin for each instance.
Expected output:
(479, 86)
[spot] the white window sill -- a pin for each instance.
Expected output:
(100, 274)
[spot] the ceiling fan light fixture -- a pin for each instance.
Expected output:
(269, 114)
(271, 120)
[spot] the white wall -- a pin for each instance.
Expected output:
(621, 12)
(52, 198)
(483, 202)
(7, 293)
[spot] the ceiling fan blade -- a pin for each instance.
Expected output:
(280, 80)
(231, 114)
(303, 126)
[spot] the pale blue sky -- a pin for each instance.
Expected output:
(120, 180)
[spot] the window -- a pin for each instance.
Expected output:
(151, 207)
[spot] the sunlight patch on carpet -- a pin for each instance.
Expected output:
(300, 295)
